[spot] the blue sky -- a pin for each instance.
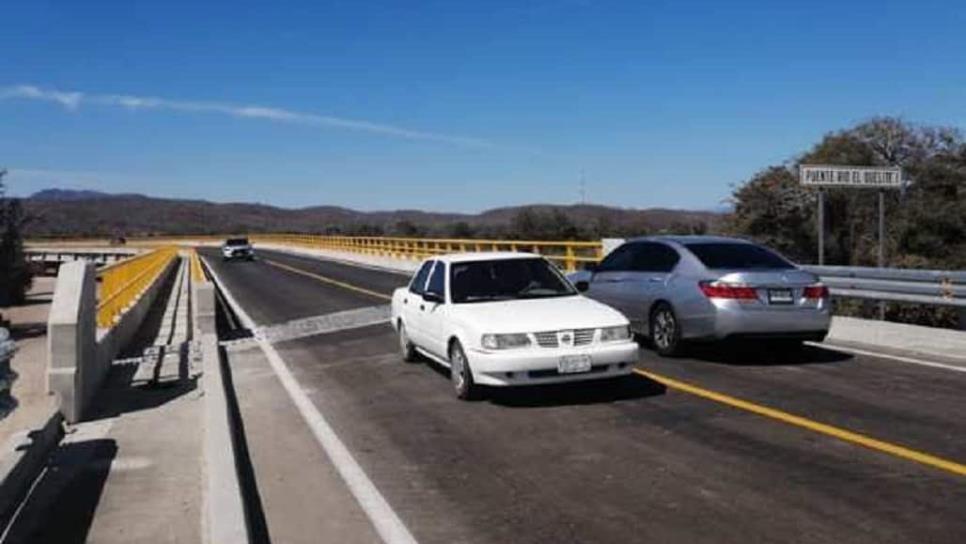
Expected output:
(455, 106)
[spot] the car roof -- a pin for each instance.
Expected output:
(689, 239)
(483, 256)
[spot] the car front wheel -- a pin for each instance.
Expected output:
(460, 373)
(665, 331)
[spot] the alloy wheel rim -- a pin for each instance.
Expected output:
(664, 329)
(458, 369)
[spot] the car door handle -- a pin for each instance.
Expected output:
(655, 280)
(422, 307)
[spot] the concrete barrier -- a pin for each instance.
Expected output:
(23, 458)
(71, 337)
(80, 354)
(225, 519)
(203, 309)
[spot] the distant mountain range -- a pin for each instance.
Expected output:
(62, 212)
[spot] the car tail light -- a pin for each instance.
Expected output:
(815, 291)
(714, 289)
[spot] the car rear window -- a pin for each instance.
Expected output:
(237, 241)
(737, 256)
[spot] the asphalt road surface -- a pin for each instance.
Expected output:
(626, 461)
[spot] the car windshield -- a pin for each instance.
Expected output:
(237, 242)
(506, 279)
(737, 256)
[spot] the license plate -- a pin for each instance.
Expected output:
(780, 296)
(572, 364)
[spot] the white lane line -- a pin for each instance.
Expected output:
(384, 519)
(899, 358)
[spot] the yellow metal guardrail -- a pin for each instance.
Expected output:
(122, 282)
(197, 272)
(566, 254)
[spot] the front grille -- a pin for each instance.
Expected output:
(548, 339)
(582, 337)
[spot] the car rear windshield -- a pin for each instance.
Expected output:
(237, 242)
(737, 256)
(506, 279)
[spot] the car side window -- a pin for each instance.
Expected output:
(417, 286)
(618, 260)
(654, 257)
(437, 282)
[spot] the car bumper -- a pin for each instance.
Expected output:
(539, 365)
(238, 255)
(727, 321)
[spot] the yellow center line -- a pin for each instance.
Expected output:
(328, 280)
(822, 428)
(785, 417)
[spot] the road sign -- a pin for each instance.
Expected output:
(874, 177)
(856, 177)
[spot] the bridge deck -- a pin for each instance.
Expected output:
(632, 460)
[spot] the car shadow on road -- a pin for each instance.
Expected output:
(577, 393)
(763, 353)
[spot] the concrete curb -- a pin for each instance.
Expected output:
(225, 518)
(915, 340)
(24, 457)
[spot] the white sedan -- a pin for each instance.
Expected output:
(500, 319)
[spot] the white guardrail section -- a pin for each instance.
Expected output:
(931, 287)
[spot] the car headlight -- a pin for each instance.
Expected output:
(615, 334)
(505, 341)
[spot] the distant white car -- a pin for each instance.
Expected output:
(501, 319)
(237, 248)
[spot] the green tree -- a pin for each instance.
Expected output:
(460, 229)
(925, 223)
(532, 224)
(15, 276)
(774, 209)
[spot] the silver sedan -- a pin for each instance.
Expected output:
(677, 288)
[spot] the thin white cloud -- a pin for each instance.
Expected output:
(73, 100)
(69, 100)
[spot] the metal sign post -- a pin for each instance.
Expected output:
(821, 227)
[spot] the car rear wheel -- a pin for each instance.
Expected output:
(665, 331)
(460, 374)
(406, 347)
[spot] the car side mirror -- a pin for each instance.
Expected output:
(590, 267)
(582, 285)
(435, 298)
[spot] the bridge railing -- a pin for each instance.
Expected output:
(932, 287)
(197, 272)
(121, 283)
(568, 255)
